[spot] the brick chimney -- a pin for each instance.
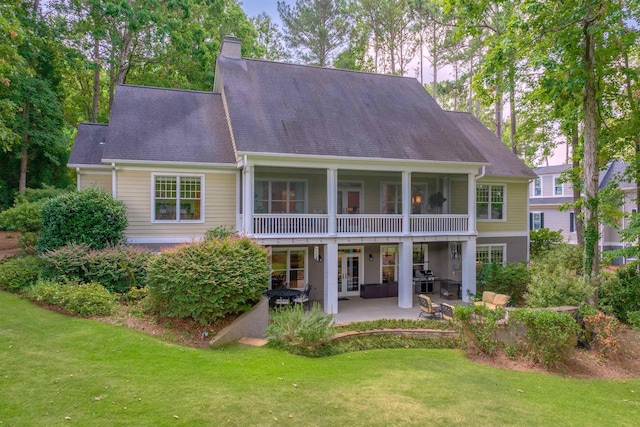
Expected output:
(231, 47)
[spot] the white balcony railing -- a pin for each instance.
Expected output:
(369, 224)
(446, 223)
(290, 224)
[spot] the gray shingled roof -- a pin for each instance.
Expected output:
(502, 160)
(285, 108)
(534, 201)
(89, 144)
(155, 124)
(554, 169)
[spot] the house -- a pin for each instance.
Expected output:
(549, 192)
(348, 178)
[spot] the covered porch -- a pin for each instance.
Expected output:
(357, 309)
(371, 271)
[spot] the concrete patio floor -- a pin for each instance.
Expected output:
(357, 309)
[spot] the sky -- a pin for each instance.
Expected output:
(270, 7)
(256, 7)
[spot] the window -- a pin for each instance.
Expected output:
(275, 196)
(389, 261)
(572, 222)
(536, 220)
(392, 199)
(177, 194)
(490, 202)
(489, 254)
(537, 187)
(288, 266)
(420, 256)
(557, 186)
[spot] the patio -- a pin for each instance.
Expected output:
(357, 309)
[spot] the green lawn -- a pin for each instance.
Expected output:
(53, 367)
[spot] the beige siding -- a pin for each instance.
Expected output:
(459, 197)
(134, 189)
(517, 214)
(100, 180)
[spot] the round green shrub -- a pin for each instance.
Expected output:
(90, 216)
(621, 294)
(17, 274)
(84, 299)
(116, 268)
(208, 280)
(549, 336)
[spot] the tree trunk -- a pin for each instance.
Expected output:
(498, 115)
(421, 60)
(512, 112)
(591, 232)
(576, 184)
(24, 153)
(96, 80)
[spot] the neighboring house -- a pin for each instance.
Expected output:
(348, 178)
(547, 193)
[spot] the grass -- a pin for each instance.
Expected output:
(56, 370)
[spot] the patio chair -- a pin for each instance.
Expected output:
(281, 302)
(427, 308)
(304, 297)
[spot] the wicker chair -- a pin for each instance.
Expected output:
(427, 308)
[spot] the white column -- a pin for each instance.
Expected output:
(405, 274)
(239, 202)
(332, 197)
(114, 181)
(79, 179)
(406, 202)
(471, 202)
(331, 278)
(468, 268)
(247, 196)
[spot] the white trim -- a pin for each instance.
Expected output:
(161, 240)
(503, 234)
(315, 157)
(489, 246)
(114, 182)
(533, 188)
(288, 250)
(178, 220)
(170, 163)
(81, 166)
(380, 265)
(504, 202)
(361, 273)
(177, 170)
(100, 172)
(553, 186)
(531, 226)
(360, 190)
(288, 181)
(360, 163)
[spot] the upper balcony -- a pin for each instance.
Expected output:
(321, 203)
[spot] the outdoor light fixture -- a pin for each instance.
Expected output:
(371, 257)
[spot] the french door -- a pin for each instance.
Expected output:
(350, 271)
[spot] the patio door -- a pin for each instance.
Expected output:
(349, 198)
(350, 271)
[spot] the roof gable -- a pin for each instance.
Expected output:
(89, 144)
(293, 109)
(502, 161)
(166, 125)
